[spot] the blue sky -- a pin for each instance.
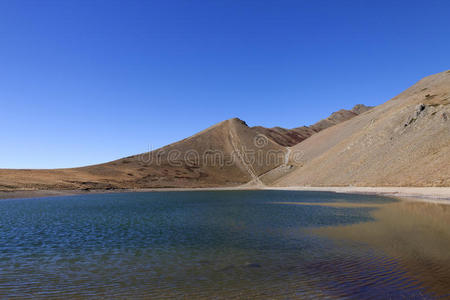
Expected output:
(85, 82)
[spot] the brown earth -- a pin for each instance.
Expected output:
(218, 156)
(403, 142)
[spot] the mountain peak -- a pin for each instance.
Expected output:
(238, 121)
(361, 108)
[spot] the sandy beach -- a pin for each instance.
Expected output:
(429, 194)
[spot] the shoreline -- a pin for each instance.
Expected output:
(428, 194)
(27, 194)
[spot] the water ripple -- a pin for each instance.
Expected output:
(221, 245)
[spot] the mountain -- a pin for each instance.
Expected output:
(403, 142)
(226, 154)
(229, 153)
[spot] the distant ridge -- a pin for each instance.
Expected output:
(291, 137)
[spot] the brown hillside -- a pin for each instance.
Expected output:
(229, 153)
(403, 142)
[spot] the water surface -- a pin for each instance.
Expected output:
(224, 244)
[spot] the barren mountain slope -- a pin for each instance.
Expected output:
(291, 137)
(403, 142)
(227, 154)
(222, 155)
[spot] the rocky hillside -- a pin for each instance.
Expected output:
(403, 142)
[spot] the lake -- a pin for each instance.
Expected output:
(224, 245)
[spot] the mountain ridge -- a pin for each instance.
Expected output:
(291, 137)
(402, 142)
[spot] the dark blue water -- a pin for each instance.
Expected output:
(222, 244)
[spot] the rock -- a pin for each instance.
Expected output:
(420, 107)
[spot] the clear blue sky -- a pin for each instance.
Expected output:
(85, 82)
